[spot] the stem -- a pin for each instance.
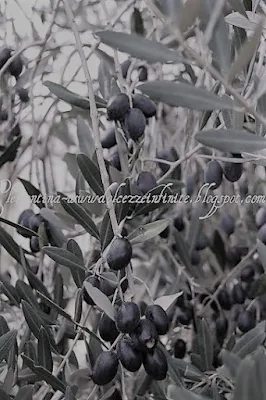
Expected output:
(94, 118)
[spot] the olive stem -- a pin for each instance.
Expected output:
(94, 118)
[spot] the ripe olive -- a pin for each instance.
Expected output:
(143, 73)
(224, 299)
(145, 335)
(129, 356)
(94, 281)
(119, 254)
(16, 67)
(202, 242)
(180, 348)
(125, 67)
(232, 171)
(158, 316)
(247, 273)
(5, 54)
(109, 139)
(221, 326)
(135, 123)
(246, 321)
(23, 95)
(105, 368)
(146, 105)
(179, 223)
(24, 220)
(127, 317)
(262, 234)
(34, 244)
(117, 107)
(155, 364)
(213, 174)
(35, 221)
(146, 181)
(107, 329)
(228, 224)
(238, 294)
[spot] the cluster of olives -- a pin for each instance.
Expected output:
(14, 69)
(133, 119)
(28, 219)
(137, 346)
(214, 172)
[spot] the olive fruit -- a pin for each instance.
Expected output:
(262, 234)
(3, 115)
(238, 294)
(232, 171)
(23, 95)
(146, 105)
(117, 107)
(186, 315)
(195, 258)
(35, 221)
(5, 54)
(213, 174)
(119, 254)
(155, 364)
(179, 223)
(247, 273)
(167, 155)
(158, 316)
(202, 242)
(16, 67)
(127, 317)
(146, 181)
(109, 140)
(228, 224)
(224, 299)
(105, 368)
(125, 67)
(246, 321)
(165, 233)
(180, 348)
(34, 244)
(260, 217)
(129, 356)
(135, 123)
(107, 329)
(94, 281)
(24, 220)
(107, 287)
(143, 73)
(190, 184)
(233, 256)
(221, 326)
(145, 335)
(115, 161)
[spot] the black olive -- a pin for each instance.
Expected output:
(23, 95)
(24, 220)
(179, 223)
(228, 224)
(127, 317)
(213, 174)
(180, 348)
(129, 356)
(238, 294)
(34, 244)
(158, 316)
(105, 368)
(247, 273)
(146, 105)
(94, 281)
(246, 321)
(109, 140)
(155, 364)
(135, 123)
(5, 54)
(117, 107)
(232, 171)
(146, 181)
(145, 336)
(107, 329)
(119, 254)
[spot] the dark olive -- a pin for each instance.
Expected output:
(34, 244)
(129, 356)
(165, 233)
(105, 368)
(145, 336)
(228, 224)
(115, 161)
(143, 73)
(247, 273)
(135, 123)
(158, 316)
(179, 223)
(24, 220)
(3, 115)
(127, 317)
(119, 254)
(16, 67)
(232, 171)
(260, 217)
(94, 281)
(180, 348)
(246, 321)
(5, 54)
(202, 242)
(233, 256)
(224, 299)
(107, 287)
(238, 294)
(221, 326)
(195, 258)
(107, 329)
(167, 155)
(155, 364)
(262, 234)
(23, 95)
(35, 221)
(146, 181)
(109, 139)
(125, 67)
(146, 105)
(213, 174)
(117, 107)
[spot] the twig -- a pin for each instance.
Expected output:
(94, 118)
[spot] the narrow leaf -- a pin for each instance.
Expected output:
(44, 350)
(185, 95)
(7, 341)
(148, 231)
(63, 257)
(91, 173)
(100, 299)
(33, 192)
(139, 47)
